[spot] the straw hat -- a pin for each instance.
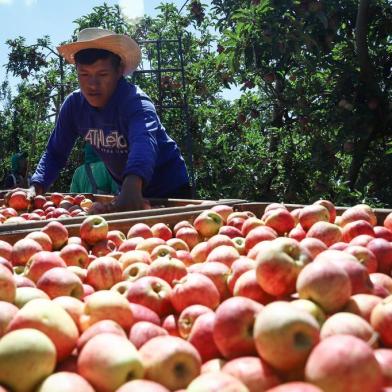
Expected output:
(97, 38)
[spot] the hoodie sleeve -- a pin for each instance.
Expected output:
(57, 151)
(143, 125)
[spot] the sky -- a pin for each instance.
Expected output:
(34, 19)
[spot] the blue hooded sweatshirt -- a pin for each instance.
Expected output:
(126, 134)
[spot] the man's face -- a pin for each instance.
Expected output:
(98, 81)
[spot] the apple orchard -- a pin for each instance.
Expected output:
(279, 300)
(310, 119)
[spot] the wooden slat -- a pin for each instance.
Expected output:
(118, 224)
(175, 206)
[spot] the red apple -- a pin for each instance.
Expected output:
(142, 385)
(201, 336)
(58, 233)
(382, 249)
(140, 230)
(279, 264)
(313, 246)
(353, 214)
(41, 262)
(103, 326)
(187, 318)
(189, 235)
(326, 284)
(26, 294)
(285, 335)
(5, 250)
(365, 256)
(178, 244)
(248, 286)
(194, 288)
(233, 328)
(135, 271)
(200, 252)
(224, 254)
(241, 265)
(51, 319)
(223, 210)
(230, 231)
(327, 232)
(107, 369)
(75, 255)
(64, 381)
(130, 244)
(344, 323)
(311, 214)
(104, 272)
(218, 273)
(73, 306)
(152, 292)
(106, 305)
(218, 240)
(384, 359)
(170, 361)
(356, 228)
(161, 230)
(362, 305)
(382, 232)
(168, 269)
(297, 233)
(259, 234)
(117, 236)
(134, 256)
(216, 381)
(381, 320)
(142, 331)
(330, 207)
(39, 201)
(7, 285)
(208, 223)
(143, 313)
(149, 244)
(334, 363)
(23, 249)
(253, 372)
(93, 229)
(7, 312)
(58, 281)
(249, 224)
(280, 220)
(42, 238)
(178, 225)
(18, 200)
(295, 386)
(27, 356)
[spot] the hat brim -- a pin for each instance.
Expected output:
(122, 45)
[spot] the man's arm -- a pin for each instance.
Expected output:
(60, 144)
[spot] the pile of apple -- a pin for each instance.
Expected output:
(18, 208)
(289, 301)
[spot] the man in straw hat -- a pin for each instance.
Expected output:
(118, 119)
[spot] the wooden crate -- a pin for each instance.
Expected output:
(258, 209)
(174, 211)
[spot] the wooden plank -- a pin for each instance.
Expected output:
(184, 205)
(258, 208)
(118, 224)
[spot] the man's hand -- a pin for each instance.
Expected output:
(130, 197)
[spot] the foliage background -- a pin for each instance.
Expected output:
(314, 118)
